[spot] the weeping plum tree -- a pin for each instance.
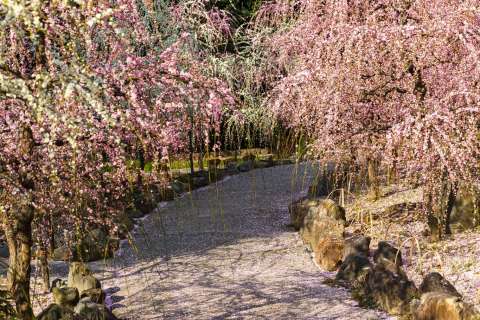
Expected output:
(82, 86)
(389, 81)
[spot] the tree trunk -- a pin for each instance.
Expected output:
(476, 208)
(450, 203)
(191, 144)
(432, 219)
(201, 150)
(192, 150)
(44, 271)
(373, 178)
(18, 231)
(200, 158)
(51, 237)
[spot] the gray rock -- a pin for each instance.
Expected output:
(463, 215)
(80, 277)
(245, 166)
(62, 253)
(260, 164)
(96, 245)
(178, 186)
(96, 295)
(357, 245)
(134, 213)
(387, 253)
(198, 182)
(323, 231)
(231, 166)
(56, 312)
(390, 292)
(59, 283)
(353, 270)
(89, 310)
(442, 306)
(299, 209)
(435, 282)
(65, 297)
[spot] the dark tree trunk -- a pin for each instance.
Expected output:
(432, 218)
(18, 231)
(201, 150)
(51, 237)
(192, 150)
(200, 161)
(476, 208)
(450, 203)
(373, 178)
(44, 270)
(393, 170)
(191, 144)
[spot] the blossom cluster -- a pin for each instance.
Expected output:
(83, 87)
(392, 80)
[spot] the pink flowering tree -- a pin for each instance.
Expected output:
(82, 88)
(390, 81)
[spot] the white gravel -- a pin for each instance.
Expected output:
(225, 252)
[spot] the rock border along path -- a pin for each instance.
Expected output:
(225, 252)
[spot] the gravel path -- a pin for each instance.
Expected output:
(225, 252)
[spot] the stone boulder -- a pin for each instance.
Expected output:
(96, 295)
(245, 166)
(134, 213)
(435, 282)
(63, 253)
(389, 257)
(96, 245)
(198, 182)
(443, 306)
(58, 283)
(57, 312)
(299, 209)
(323, 231)
(389, 291)
(231, 165)
(65, 297)
(353, 271)
(328, 208)
(125, 223)
(316, 229)
(90, 310)
(178, 187)
(328, 252)
(357, 245)
(80, 277)
(264, 161)
(326, 219)
(146, 200)
(463, 215)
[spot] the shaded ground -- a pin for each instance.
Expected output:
(225, 252)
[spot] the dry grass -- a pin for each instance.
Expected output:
(396, 217)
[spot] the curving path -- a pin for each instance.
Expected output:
(225, 252)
